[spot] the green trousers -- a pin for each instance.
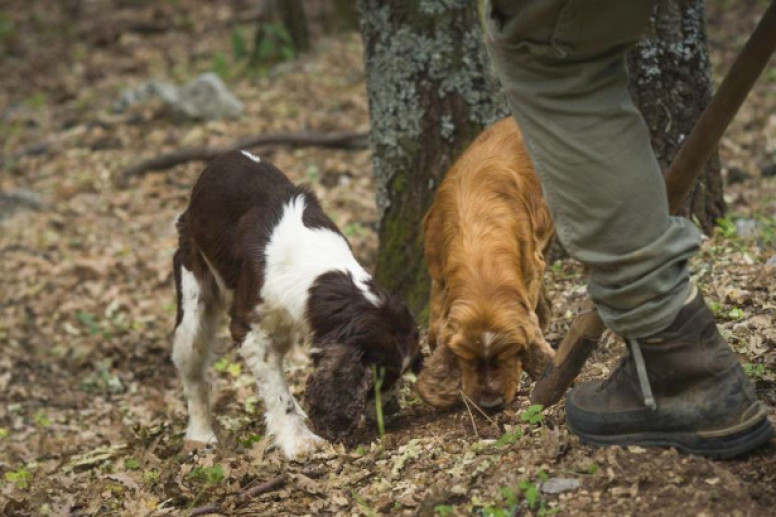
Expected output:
(562, 66)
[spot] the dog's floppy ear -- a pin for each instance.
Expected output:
(337, 391)
(439, 383)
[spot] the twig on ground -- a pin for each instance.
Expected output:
(312, 472)
(466, 403)
(267, 486)
(336, 140)
(479, 409)
(205, 510)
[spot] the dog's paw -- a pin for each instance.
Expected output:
(300, 444)
(199, 439)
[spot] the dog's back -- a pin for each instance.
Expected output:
(487, 214)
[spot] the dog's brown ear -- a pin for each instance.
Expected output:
(337, 391)
(439, 383)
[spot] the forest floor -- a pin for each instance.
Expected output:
(91, 411)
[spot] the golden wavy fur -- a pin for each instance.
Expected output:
(485, 235)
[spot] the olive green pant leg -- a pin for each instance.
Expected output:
(562, 66)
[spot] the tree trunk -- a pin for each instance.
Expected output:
(345, 16)
(429, 96)
(671, 84)
(294, 18)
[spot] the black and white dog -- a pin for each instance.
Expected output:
(253, 244)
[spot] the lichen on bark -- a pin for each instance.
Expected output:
(671, 84)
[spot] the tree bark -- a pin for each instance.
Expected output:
(430, 94)
(294, 18)
(671, 84)
(345, 16)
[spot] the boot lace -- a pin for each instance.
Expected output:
(641, 372)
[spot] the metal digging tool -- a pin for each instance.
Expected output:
(587, 327)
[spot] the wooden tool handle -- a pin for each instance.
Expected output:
(587, 327)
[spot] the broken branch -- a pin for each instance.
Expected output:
(268, 486)
(336, 140)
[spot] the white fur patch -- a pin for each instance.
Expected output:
(487, 339)
(225, 293)
(191, 354)
(251, 156)
(297, 255)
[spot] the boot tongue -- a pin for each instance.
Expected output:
(641, 372)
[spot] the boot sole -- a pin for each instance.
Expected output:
(719, 447)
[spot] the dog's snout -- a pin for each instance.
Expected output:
(491, 401)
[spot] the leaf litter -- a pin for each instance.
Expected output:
(91, 411)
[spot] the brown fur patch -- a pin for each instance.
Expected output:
(484, 240)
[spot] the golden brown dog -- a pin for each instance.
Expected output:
(485, 237)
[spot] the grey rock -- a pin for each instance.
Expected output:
(18, 200)
(208, 98)
(204, 98)
(771, 261)
(746, 228)
(559, 485)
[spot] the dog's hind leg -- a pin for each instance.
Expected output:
(192, 344)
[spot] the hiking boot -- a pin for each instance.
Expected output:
(682, 387)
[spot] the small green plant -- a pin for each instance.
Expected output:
(756, 371)
(443, 510)
(131, 464)
(224, 365)
(3, 432)
(532, 495)
(150, 476)
(21, 478)
(726, 227)
(735, 313)
(273, 44)
(41, 418)
(509, 495)
(210, 475)
(89, 321)
(378, 374)
(239, 45)
(221, 67)
(7, 27)
(250, 440)
(509, 438)
(355, 229)
(533, 414)
(36, 100)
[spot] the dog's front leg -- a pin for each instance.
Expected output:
(284, 417)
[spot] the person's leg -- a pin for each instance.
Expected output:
(562, 66)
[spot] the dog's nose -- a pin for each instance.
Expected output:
(491, 401)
